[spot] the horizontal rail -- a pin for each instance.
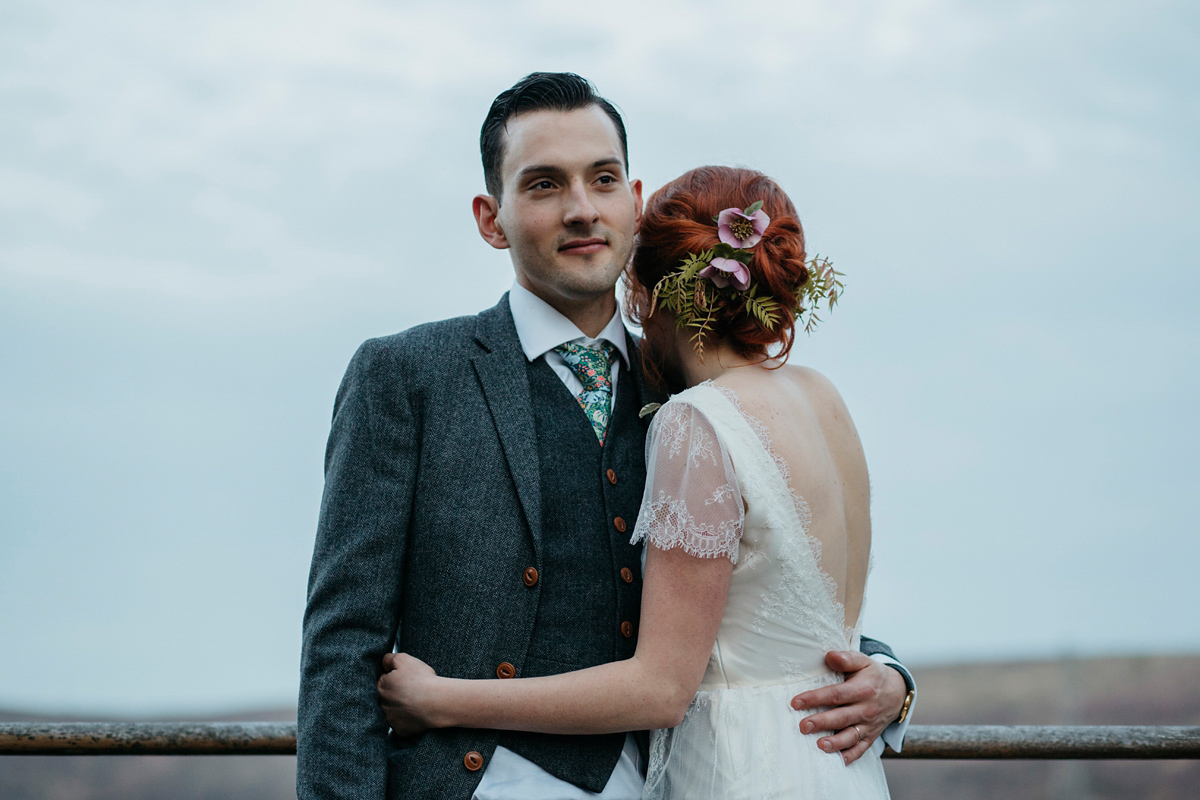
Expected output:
(148, 739)
(987, 742)
(1050, 741)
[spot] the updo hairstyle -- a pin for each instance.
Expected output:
(678, 220)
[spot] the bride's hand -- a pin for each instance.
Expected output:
(404, 691)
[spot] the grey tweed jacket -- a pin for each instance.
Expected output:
(431, 506)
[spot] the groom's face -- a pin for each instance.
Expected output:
(568, 211)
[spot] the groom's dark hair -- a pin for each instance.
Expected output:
(538, 91)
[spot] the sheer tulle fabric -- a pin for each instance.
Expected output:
(695, 503)
(716, 488)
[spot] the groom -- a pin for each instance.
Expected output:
(475, 518)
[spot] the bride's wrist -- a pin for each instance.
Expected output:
(438, 704)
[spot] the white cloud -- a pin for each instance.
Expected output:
(231, 91)
(284, 267)
(60, 200)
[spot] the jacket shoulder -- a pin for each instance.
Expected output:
(426, 344)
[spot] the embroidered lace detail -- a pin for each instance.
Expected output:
(692, 498)
(720, 495)
(669, 525)
(759, 429)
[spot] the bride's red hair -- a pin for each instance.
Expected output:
(678, 220)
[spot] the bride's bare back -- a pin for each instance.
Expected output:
(811, 431)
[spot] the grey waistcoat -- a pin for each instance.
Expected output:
(589, 575)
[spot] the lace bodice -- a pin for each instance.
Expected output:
(716, 488)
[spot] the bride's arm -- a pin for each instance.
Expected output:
(683, 600)
(691, 519)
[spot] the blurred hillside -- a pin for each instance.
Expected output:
(1161, 690)
(1158, 690)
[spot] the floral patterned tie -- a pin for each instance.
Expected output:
(593, 367)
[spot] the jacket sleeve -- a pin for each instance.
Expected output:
(355, 583)
(893, 735)
(875, 648)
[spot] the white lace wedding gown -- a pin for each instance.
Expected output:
(740, 738)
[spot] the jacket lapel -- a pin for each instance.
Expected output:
(503, 374)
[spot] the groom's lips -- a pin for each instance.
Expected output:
(581, 247)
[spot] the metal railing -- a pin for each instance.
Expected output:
(986, 742)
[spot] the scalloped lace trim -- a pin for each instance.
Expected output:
(669, 525)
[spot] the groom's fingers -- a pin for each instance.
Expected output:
(840, 721)
(847, 660)
(862, 681)
(837, 694)
(852, 754)
(843, 740)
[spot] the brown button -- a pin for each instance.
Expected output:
(530, 577)
(473, 761)
(627, 629)
(627, 574)
(619, 524)
(612, 477)
(505, 670)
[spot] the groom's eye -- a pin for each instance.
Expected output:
(545, 183)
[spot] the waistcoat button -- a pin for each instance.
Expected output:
(531, 576)
(505, 670)
(627, 629)
(627, 574)
(612, 477)
(619, 524)
(473, 761)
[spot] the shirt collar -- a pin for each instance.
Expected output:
(541, 327)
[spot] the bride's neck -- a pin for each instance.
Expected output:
(718, 359)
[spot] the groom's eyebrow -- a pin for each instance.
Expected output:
(540, 169)
(550, 169)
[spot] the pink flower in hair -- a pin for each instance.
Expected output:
(742, 228)
(726, 271)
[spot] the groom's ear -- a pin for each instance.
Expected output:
(636, 188)
(485, 208)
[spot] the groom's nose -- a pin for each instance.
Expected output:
(579, 210)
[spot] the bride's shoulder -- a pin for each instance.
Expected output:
(825, 402)
(786, 390)
(815, 385)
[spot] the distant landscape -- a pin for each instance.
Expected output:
(1158, 690)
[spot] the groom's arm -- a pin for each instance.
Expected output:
(354, 587)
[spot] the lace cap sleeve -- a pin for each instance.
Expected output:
(692, 498)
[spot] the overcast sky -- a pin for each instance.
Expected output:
(206, 206)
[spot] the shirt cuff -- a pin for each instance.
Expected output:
(893, 735)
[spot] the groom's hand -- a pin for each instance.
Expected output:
(864, 704)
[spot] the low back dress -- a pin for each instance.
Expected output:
(716, 488)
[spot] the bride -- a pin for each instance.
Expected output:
(755, 515)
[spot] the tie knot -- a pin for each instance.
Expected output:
(592, 365)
